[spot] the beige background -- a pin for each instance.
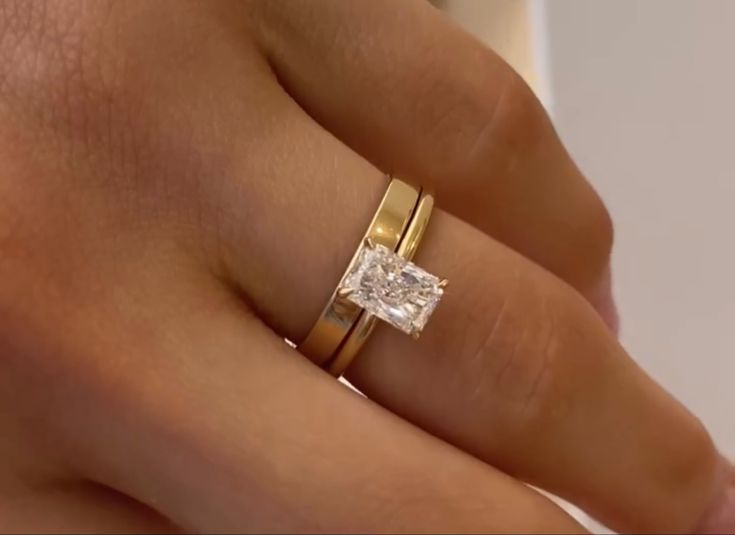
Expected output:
(642, 93)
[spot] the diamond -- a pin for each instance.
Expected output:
(392, 288)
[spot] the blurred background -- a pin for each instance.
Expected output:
(641, 92)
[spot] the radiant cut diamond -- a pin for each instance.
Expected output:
(393, 289)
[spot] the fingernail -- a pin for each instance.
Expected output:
(603, 301)
(721, 517)
(609, 313)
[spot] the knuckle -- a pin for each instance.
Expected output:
(41, 44)
(58, 70)
(497, 126)
(516, 362)
(513, 120)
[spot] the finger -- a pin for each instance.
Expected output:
(38, 492)
(419, 97)
(514, 367)
(32, 506)
(190, 405)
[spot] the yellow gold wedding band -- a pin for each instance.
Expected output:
(386, 230)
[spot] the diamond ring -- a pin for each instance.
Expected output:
(380, 282)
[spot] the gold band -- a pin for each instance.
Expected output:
(366, 322)
(387, 228)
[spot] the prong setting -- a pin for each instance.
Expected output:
(344, 293)
(390, 287)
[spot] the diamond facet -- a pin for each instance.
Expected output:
(392, 288)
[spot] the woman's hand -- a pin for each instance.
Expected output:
(182, 185)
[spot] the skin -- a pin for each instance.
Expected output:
(182, 186)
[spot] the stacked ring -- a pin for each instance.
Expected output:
(380, 282)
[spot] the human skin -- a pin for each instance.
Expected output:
(181, 186)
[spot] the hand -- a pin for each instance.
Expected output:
(182, 186)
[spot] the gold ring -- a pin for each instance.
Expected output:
(421, 303)
(385, 230)
(380, 282)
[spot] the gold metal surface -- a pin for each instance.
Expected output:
(366, 322)
(387, 227)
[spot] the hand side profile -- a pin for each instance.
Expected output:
(182, 184)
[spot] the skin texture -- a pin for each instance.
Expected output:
(182, 185)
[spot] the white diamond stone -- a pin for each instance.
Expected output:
(393, 289)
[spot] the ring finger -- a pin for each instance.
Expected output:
(514, 367)
(436, 106)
